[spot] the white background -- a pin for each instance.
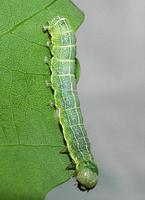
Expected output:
(111, 51)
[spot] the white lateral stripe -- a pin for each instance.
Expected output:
(64, 75)
(66, 60)
(63, 46)
(76, 125)
(72, 108)
(60, 19)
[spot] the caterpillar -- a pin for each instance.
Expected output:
(65, 70)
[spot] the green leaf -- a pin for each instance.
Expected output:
(30, 137)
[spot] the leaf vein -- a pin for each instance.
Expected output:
(28, 18)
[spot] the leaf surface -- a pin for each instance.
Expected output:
(30, 136)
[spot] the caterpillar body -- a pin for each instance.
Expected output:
(64, 77)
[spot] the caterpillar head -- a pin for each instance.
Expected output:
(87, 175)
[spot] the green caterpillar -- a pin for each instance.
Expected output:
(64, 77)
